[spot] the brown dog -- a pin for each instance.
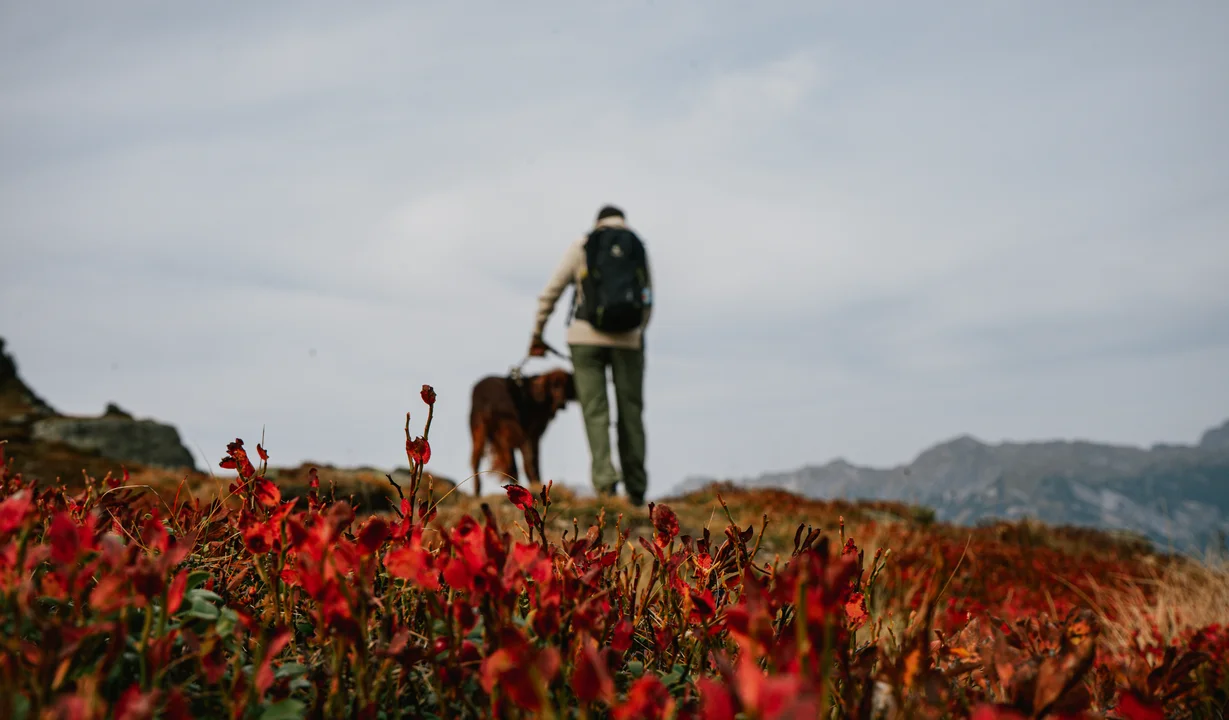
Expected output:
(509, 416)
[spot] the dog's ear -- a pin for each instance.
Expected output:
(559, 382)
(537, 388)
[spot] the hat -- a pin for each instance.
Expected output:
(609, 211)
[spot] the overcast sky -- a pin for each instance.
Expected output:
(873, 226)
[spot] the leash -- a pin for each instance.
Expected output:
(516, 373)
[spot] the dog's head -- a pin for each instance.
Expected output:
(555, 387)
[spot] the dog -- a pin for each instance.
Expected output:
(508, 415)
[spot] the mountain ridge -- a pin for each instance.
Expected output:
(1176, 495)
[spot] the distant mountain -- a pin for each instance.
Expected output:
(1176, 495)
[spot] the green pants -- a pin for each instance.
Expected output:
(589, 363)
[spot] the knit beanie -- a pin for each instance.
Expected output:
(609, 211)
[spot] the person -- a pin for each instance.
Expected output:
(611, 307)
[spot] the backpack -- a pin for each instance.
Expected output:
(614, 287)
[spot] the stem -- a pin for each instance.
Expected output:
(149, 622)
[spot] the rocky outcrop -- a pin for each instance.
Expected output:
(144, 442)
(18, 403)
(115, 435)
(1216, 439)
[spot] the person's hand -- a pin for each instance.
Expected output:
(537, 348)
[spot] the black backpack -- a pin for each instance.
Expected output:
(613, 288)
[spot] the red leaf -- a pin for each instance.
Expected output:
(716, 703)
(855, 610)
(13, 512)
(519, 496)
(428, 394)
(458, 575)
(174, 596)
(1133, 707)
(372, 535)
(647, 698)
(177, 707)
(63, 538)
(419, 450)
(267, 493)
(590, 679)
(622, 640)
(213, 663)
(258, 538)
(153, 533)
(73, 707)
(135, 705)
(495, 665)
(228, 463)
(109, 594)
(261, 452)
(412, 563)
(995, 712)
(666, 523)
(264, 676)
(703, 604)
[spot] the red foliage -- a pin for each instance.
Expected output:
(115, 606)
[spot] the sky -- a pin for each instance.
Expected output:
(872, 226)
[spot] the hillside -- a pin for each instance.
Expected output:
(1176, 495)
(43, 443)
(446, 592)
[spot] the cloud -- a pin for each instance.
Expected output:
(871, 229)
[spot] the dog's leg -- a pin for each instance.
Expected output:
(503, 444)
(529, 453)
(537, 458)
(478, 430)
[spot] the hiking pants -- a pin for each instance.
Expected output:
(589, 363)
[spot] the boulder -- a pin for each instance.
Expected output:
(117, 437)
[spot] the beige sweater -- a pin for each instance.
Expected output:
(569, 272)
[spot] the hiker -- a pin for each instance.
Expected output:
(611, 304)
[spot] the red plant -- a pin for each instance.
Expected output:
(115, 604)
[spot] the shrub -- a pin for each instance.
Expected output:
(119, 604)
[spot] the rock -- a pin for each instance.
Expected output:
(144, 442)
(18, 403)
(1216, 439)
(116, 411)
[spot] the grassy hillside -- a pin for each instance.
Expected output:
(321, 592)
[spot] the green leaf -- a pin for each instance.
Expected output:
(635, 667)
(677, 675)
(227, 620)
(290, 670)
(197, 578)
(203, 594)
(21, 707)
(203, 610)
(284, 710)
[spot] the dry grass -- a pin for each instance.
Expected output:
(1167, 600)
(1167, 604)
